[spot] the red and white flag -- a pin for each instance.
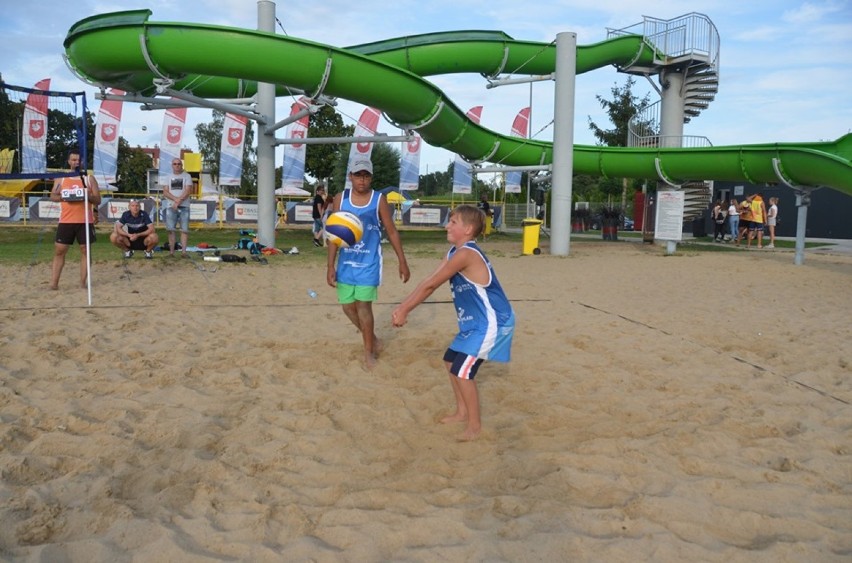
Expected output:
(34, 136)
(367, 126)
(519, 129)
(409, 168)
(293, 171)
(231, 152)
(174, 122)
(106, 141)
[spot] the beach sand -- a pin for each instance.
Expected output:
(695, 407)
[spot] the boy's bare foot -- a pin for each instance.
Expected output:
(369, 361)
(54, 287)
(455, 417)
(469, 434)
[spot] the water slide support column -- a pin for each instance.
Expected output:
(563, 143)
(803, 200)
(266, 141)
(671, 109)
(671, 122)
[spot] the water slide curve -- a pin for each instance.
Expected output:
(124, 49)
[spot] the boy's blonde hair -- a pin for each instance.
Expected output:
(472, 216)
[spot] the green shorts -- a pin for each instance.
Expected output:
(351, 293)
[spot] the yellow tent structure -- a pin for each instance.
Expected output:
(12, 188)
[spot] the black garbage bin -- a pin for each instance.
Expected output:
(699, 227)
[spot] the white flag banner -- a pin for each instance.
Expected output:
(367, 126)
(519, 129)
(106, 141)
(409, 169)
(231, 152)
(293, 171)
(462, 176)
(34, 135)
(174, 122)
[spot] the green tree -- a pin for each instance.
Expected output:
(620, 109)
(385, 165)
(322, 161)
(11, 114)
(437, 183)
(133, 165)
(623, 106)
(62, 134)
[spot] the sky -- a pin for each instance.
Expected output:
(785, 66)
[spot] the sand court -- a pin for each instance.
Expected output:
(653, 410)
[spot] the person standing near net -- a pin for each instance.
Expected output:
(75, 218)
(485, 316)
(177, 190)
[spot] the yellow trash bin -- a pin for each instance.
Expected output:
(531, 231)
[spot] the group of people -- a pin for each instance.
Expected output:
(485, 317)
(746, 220)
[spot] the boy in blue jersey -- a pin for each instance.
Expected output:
(358, 272)
(485, 317)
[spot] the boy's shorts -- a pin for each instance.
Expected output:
(351, 293)
(172, 219)
(462, 365)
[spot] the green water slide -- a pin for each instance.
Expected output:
(125, 50)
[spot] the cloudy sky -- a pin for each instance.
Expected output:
(785, 66)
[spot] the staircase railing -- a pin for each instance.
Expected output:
(689, 34)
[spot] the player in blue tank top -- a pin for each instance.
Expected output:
(358, 272)
(485, 317)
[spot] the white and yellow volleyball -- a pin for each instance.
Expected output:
(343, 229)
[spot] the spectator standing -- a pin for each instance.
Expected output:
(718, 221)
(772, 220)
(734, 218)
(177, 191)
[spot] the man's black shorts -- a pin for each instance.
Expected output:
(138, 244)
(67, 233)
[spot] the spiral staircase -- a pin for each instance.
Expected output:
(686, 47)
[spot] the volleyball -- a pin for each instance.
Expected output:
(343, 229)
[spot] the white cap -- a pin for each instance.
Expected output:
(362, 165)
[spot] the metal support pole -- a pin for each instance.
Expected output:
(266, 141)
(563, 143)
(803, 200)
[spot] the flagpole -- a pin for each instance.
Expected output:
(87, 210)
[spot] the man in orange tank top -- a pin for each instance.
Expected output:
(73, 218)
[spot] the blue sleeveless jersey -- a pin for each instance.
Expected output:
(485, 317)
(361, 264)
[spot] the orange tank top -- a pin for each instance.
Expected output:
(74, 211)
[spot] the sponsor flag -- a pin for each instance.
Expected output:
(293, 171)
(462, 176)
(231, 153)
(174, 122)
(34, 135)
(367, 126)
(409, 170)
(106, 141)
(519, 129)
